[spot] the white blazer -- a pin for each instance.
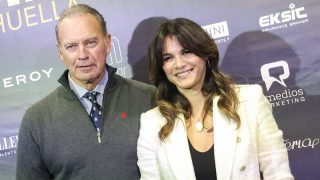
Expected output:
(240, 154)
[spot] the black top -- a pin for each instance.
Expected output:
(203, 163)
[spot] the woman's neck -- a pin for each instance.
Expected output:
(197, 101)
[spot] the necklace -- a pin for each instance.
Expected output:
(199, 126)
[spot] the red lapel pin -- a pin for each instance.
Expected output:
(123, 115)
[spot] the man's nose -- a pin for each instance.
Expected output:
(83, 52)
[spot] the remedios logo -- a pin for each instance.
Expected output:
(218, 31)
(28, 13)
(8, 146)
(288, 18)
(286, 97)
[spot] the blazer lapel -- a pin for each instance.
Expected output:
(225, 137)
(177, 150)
(178, 154)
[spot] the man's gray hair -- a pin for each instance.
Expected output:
(80, 9)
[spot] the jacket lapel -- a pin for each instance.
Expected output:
(225, 136)
(178, 154)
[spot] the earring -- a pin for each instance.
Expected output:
(209, 65)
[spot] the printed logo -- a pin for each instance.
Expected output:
(284, 19)
(21, 79)
(287, 96)
(8, 146)
(218, 31)
(30, 15)
(115, 57)
(115, 51)
(301, 143)
(268, 79)
(15, 2)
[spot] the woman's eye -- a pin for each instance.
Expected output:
(166, 58)
(185, 51)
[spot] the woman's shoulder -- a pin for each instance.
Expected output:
(153, 112)
(248, 91)
(152, 118)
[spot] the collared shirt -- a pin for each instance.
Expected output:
(80, 91)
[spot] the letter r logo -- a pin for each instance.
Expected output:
(268, 79)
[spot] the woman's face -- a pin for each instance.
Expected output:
(183, 68)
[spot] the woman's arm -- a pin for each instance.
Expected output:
(273, 156)
(148, 138)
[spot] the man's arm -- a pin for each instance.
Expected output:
(29, 160)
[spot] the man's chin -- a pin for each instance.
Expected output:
(84, 78)
(88, 80)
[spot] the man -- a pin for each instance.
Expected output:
(87, 128)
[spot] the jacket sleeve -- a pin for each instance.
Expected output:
(29, 160)
(273, 156)
(147, 160)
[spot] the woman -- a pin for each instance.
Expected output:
(204, 125)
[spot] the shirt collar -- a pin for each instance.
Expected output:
(80, 91)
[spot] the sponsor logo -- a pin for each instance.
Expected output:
(218, 31)
(30, 15)
(115, 52)
(115, 57)
(287, 96)
(21, 79)
(301, 143)
(15, 2)
(268, 79)
(288, 18)
(8, 146)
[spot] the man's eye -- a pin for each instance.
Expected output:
(71, 47)
(91, 43)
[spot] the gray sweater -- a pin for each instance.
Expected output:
(57, 139)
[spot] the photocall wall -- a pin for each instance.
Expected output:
(269, 42)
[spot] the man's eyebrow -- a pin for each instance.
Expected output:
(91, 38)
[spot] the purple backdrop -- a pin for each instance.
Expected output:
(272, 43)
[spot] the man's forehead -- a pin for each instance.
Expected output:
(72, 27)
(77, 17)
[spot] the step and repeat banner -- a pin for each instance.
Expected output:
(272, 43)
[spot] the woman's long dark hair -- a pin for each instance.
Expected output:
(170, 101)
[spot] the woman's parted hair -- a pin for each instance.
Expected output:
(172, 103)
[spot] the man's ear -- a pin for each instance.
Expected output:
(60, 53)
(108, 43)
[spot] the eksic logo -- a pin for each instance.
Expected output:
(268, 79)
(284, 19)
(15, 2)
(218, 31)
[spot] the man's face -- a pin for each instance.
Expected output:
(83, 49)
